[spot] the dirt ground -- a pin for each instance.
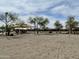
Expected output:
(30, 46)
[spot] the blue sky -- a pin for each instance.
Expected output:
(52, 9)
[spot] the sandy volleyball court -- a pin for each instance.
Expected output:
(30, 46)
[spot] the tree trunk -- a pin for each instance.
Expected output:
(8, 33)
(34, 29)
(37, 29)
(70, 31)
(6, 27)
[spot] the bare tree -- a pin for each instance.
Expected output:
(8, 18)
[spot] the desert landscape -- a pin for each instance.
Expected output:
(39, 29)
(31, 46)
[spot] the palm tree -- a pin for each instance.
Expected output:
(58, 25)
(7, 18)
(71, 24)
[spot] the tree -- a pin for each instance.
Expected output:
(58, 25)
(38, 22)
(2, 28)
(7, 18)
(33, 21)
(43, 22)
(71, 24)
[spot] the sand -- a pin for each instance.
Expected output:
(30, 46)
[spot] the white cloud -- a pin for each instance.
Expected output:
(69, 7)
(29, 7)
